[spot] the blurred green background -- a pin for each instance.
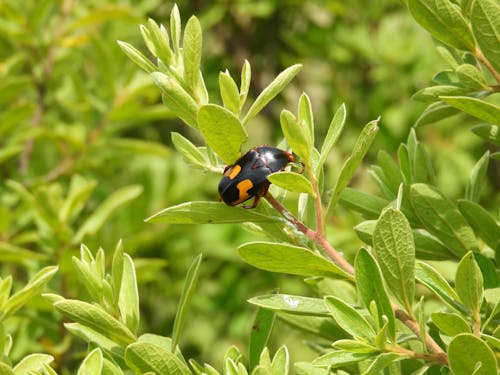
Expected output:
(72, 104)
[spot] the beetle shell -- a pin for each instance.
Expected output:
(247, 177)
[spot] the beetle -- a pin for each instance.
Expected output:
(247, 177)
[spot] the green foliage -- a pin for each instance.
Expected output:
(413, 289)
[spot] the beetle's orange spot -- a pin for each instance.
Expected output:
(243, 188)
(233, 172)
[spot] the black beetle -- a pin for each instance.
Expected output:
(247, 177)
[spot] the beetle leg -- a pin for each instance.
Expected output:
(256, 200)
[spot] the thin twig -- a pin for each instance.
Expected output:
(486, 63)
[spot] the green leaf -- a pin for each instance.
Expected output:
(110, 368)
(246, 76)
(14, 254)
(5, 369)
(350, 166)
(99, 339)
(79, 191)
(296, 136)
(354, 346)
(187, 293)
(31, 290)
(391, 171)
(485, 22)
(447, 55)
(291, 304)
(274, 88)
(128, 300)
(340, 358)
(208, 213)
(428, 276)
(435, 112)
(475, 107)
(131, 146)
(395, 251)
(349, 318)
(368, 205)
(381, 362)
(481, 221)
(471, 77)
(115, 200)
(450, 324)
(442, 219)
(188, 150)
(334, 131)
(143, 357)
(432, 93)
(92, 364)
(159, 38)
(477, 178)
(489, 132)
(95, 318)
(229, 93)
(191, 50)
(371, 288)
(294, 260)
(444, 21)
(469, 355)
(306, 118)
(261, 330)
(177, 99)
(291, 181)
(281, 361)
(32, 362)
(469, 283)
(222, 131)
(175, 28)
(137, 57)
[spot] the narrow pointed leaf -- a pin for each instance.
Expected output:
(428, 276)
(31, 290)
(137, 57)
(161, 42)
(381, 362)
(349, 318)
(187, 293)
(369, 205)
(222, 131)
(306, 118)
(208, 213)
(187, 149)
(371, 288)
(435, 112)
(114, 201)
(191, 49)
(291, 304)
(442, 219)
(177, 99)
(95, 318)
(334, 131)
(341, 358)
(261, 330)
(290, 259)
(479, 108)
(281, 361)
(477, 178)
(361, 147)
(274, 88)
(128, 300)
(489, 132)
(395, 251)
(481, 221)
(96, 338)
(471, 77)
(296, 136)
